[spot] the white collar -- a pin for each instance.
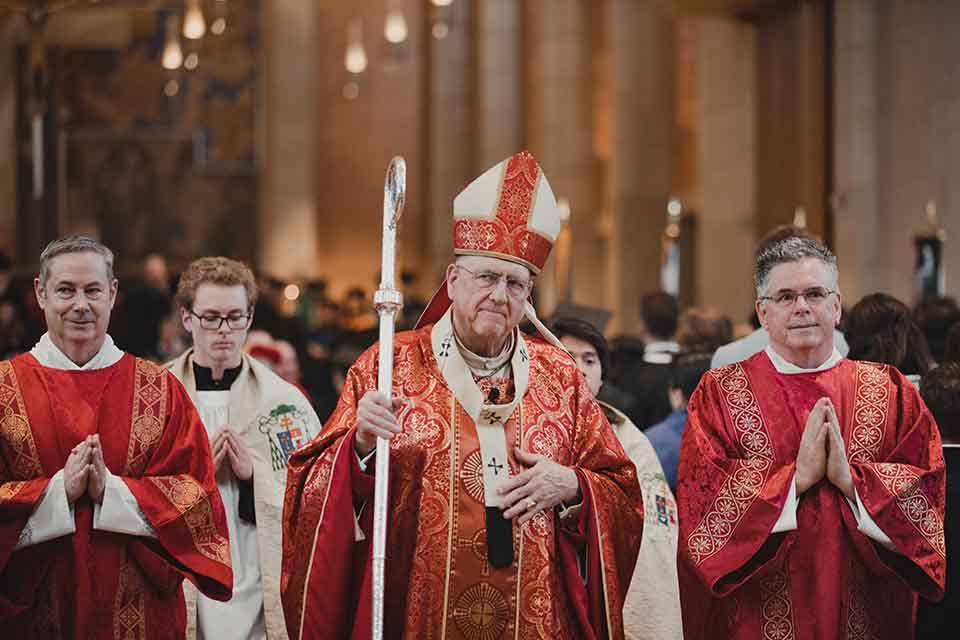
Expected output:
(660, 351)
(483, 365)
(662, 346)
(782, 366)
(49, 355)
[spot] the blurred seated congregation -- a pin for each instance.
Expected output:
(680, 137)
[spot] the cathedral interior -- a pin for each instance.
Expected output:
(674, 133)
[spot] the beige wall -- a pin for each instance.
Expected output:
(289, 123)
(898, 138)
(356, 140)
(726, 158)
(8, 157)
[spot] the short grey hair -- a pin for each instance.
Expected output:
(74, 244)
(793, 249)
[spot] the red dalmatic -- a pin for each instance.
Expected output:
(825, 580)
(98, 584)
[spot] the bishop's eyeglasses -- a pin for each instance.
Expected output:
(213, 321)
(487, 280)
(786, 298)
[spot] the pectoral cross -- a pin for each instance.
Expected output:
(492, 417)
(445, 348)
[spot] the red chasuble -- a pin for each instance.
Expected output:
(439, 583)
(825, 580)
(98, 584)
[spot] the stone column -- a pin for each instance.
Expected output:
(856, 220)
(450, 135)
(558, 119)
(8, 143)
(288, 216)
(638, 179)
(499, 81)
(724, 198)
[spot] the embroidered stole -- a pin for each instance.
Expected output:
(489, 420)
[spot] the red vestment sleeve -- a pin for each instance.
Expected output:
(905, 490)
(325, 486)
(731, 488)
(609, 526)
(18, 500)
(178, 495)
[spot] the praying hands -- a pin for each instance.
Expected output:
(85, 471)
(822, 453)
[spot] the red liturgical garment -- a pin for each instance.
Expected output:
(825, 579)
(93, 583)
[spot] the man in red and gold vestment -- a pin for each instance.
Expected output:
(811, 487)
(107, 492)
(514, 511)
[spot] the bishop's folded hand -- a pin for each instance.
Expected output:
(544, 485)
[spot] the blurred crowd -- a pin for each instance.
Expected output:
(311, 339)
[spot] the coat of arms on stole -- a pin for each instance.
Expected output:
(284, 428)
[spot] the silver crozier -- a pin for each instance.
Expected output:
(388, 302)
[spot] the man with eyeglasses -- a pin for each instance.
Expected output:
(255, 420)
(107, 491)
(514, 511)
(744, 347)
(810, 487)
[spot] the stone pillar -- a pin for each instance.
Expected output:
(638, 179)
(558, 119)
(724, 198)
(450, 135)
(8, 142)
(288, 216)
(499, 81)
(857, 224)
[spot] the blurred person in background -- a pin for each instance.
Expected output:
(645, 376)
(666, 435)
(702, 330)
(145, 306)
(881, 329)
(951, 352)
(651, 610)
(934, 316)
(940, 389)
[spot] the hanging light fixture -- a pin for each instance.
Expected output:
(194, 26)
(219, 24)
(172, 56)
(441, 18)
(355, 59)
(395, 26)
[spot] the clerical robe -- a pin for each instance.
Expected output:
(843, 568)
(96, 583)
(651, 609)
(439, 583)
(272, 418)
